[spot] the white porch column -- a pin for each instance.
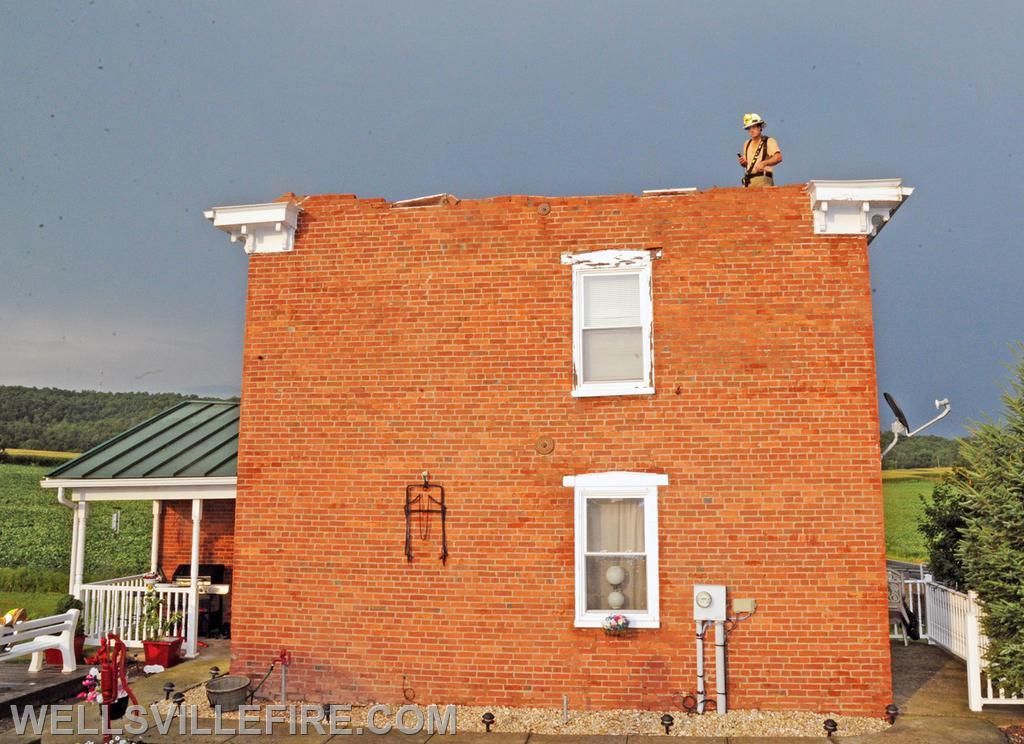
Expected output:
(191, 644)
(82, 517)
(154, 550)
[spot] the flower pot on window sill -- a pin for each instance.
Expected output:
(55, 658)
(166, 652)
(620, 632)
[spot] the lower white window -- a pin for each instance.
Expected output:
(616, 547)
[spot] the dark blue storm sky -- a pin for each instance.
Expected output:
(120, 123)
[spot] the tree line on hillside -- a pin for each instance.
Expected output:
(72, 420)
(922, 451)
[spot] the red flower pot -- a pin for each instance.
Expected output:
(54, 658)
(165, 652)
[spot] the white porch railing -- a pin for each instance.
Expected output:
(952, 620)
(116, 606)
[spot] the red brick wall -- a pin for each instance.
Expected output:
(396, 340)
(216, 534)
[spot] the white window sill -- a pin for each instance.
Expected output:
(614, 388)
(639, 621)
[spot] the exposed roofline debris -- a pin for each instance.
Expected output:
(670, 192)
(434, 200)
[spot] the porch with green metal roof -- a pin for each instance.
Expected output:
(188, 452)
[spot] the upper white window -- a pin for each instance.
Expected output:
(616, 547)
(612, 314)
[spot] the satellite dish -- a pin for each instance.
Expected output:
(897, 411)
(901, 427)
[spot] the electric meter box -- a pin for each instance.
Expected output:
(709, 602)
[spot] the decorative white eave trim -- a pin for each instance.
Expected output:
(265, 228)
(615, 479)
(855, 207)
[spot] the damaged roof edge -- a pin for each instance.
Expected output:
(838, 207)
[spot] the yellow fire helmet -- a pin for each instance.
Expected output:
(17, 615)
(750, 120)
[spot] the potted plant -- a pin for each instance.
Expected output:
(53, 655)
(159, 647)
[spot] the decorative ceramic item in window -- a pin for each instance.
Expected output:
(615, 624)
(616, 576)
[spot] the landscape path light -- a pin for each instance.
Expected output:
(667, 720)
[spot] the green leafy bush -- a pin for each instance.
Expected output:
(68, 602)
(942, 525)
(990, 488)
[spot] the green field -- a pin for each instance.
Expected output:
(35, 531)
(902, 491)
(38, 604)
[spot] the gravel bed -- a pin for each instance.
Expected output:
(616, 722)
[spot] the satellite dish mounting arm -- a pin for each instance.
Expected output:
(901, 426)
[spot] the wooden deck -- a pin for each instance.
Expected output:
(20, 687)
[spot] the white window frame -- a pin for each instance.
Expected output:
(594, 486)
(611, 262)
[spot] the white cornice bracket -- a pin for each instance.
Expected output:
(264, 228)
(855, 207)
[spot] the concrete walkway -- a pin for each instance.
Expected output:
(930, 687)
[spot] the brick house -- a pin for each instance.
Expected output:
(622, 396)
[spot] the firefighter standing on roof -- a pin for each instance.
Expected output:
(760, 153)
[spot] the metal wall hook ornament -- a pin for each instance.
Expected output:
(415, 504)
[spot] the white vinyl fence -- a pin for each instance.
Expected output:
(952, 620)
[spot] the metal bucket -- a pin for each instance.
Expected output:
(227, 692)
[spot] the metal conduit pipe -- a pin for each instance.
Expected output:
(720, 667)
(701, 694)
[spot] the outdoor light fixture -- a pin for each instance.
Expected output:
(214, 672)
(488, 720)
(615, 576)
(168, 689)
(830, 727)
(667, 721)
(902, 427)
(891, 711)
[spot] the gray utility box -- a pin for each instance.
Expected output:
(709, 602)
